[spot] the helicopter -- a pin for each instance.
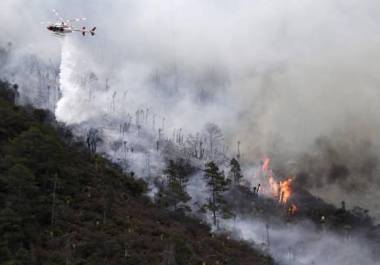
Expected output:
(64, 26)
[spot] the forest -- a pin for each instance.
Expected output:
(62, 203)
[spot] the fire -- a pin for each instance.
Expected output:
(285, 190)
(281, 190)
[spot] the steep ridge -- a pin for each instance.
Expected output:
(60, 204)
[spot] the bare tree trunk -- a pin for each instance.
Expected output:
(214, 206)
(214, 215)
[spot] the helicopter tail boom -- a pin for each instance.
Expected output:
(84, 31)
(92, 31)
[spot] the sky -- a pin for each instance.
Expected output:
(294, 80)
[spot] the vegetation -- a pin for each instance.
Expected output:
(235, 171)
(60, 203)
(217, 184)
(174, 194)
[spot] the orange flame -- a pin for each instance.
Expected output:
(281, 190)
(285, 190)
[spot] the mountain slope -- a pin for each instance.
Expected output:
(60, 204)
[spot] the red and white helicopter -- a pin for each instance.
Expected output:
(64, 26)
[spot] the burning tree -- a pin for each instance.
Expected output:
(217, 184)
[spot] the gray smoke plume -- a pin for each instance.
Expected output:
(303, 243)
(279, 76)
(293, 80)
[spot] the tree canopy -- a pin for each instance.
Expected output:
(217, 185)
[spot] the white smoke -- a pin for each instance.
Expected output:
(303, 243)
(274, 74)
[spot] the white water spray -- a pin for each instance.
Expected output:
(73, 97)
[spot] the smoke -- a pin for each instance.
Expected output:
(303, 243)
(295, 241)
(276, 75)
(293, 80)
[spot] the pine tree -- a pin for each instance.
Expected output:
(175, 192)
(235, 171)
(217, 184)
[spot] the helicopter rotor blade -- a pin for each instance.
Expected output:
(58, 15)
(75, 19)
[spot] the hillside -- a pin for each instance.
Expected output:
(60, 204)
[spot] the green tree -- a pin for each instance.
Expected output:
(20, 183)
(19, 191)
(174, 193)
(235, 171)
(11, 234)
(217, 184)
(39, 148)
